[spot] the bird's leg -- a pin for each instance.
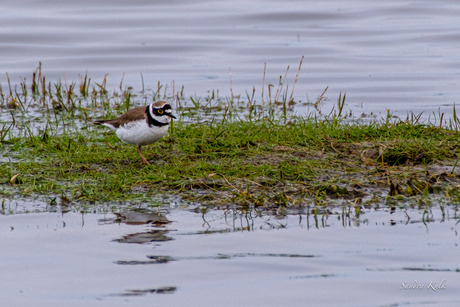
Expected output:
(143, 160)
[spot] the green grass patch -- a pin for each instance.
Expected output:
(257, 163)
(220, 152)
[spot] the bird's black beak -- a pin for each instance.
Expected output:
(170, 115)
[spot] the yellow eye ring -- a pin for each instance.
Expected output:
(160, 111)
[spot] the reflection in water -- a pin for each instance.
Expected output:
(233, 220)
(142, 217)
(220, 256)
(309, 247)
(154, 260)
(162, 290)
(228, 221)
(145, 237)
(154, 220)
(273, 258)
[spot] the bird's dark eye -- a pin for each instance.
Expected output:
(160, 111)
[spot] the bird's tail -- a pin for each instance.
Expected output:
(98, 122)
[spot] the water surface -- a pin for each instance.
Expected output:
(400, 55)
(178, 256)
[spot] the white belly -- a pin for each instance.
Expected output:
(139, 133)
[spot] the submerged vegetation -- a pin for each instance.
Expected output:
(230, 152)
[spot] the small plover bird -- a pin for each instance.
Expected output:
(141, 125)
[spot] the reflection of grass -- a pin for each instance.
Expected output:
(220, 152)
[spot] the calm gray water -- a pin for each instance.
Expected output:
(181, 258)
(400, 55)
